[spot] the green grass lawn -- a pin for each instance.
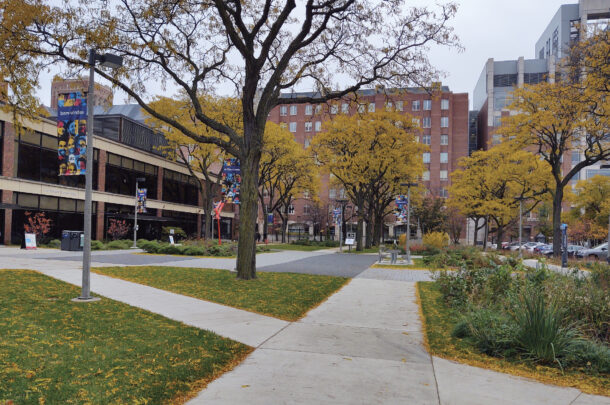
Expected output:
(290, 246)
(439, 321)
(56, 351)
(282, 295)
(373, 249)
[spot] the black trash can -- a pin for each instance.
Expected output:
(65, 240)
(72, 240)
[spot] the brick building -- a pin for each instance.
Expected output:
(443, 121)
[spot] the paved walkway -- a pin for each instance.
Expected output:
(361, 346)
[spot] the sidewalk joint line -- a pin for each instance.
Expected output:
(272, 336)
(577, 396)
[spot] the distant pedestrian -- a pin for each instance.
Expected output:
(258, 237)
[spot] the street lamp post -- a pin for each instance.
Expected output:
(135, 213)
(341, 201)
(114, 62)
(407, 249)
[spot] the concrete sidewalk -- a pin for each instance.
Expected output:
(364, 345)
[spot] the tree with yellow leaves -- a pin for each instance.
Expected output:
(490, 184)
(370, 155)
(286, 170)
(568, 115)
(200, 158)
(588, 219)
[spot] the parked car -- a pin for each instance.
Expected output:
(598, 252)
(513, 246)
(572, 250)
(529, 246)
(543, 248)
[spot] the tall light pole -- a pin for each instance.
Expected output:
(341, 201)
(520, 199)
(135, 213)
(407, 249)
(111, 61)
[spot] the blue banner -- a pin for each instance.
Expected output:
(142, 200)
(231, 180)
(72, 134)
(401, 207)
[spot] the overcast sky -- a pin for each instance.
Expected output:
(497, 29)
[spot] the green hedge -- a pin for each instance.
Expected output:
(324, 243)
(193, 248)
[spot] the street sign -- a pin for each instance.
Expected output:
(350, 241)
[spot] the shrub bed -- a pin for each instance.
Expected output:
(307, 242)
(530, 316)
(193, 248)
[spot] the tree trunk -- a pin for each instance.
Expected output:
(476, 225)
(499, 235)
(557, 199)
(378, 235)
(208, 232)
(369, 232)
(359, 231)
(284, 229)
(248, 211)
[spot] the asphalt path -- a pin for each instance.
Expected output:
(343, 265)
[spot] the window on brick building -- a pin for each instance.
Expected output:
(444, 104)
(415, 106)
(427, 123)
(293, 127)
(308, 126)
(283, 110)
(415, 121)
(318, 109)
(444, 157)
(444, 139)
(443, 192)
(306, 209)
(388, 106)
(443, 174)
(371, 107)
(399, 106)
(426, 157)
(426, 139)
(426, 176)
(444, 122)
(318, 126)
(283, 125)
(427, 105)
(361, 108)
(345, 108)
(308, 110)
(334, 109)
(293, 110)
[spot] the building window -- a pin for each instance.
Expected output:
(415, 121)
(444, 122)
(332, 193)
(308, 126)
(444, 193)
(556, 42)
(426, 157)
(283, 125)
(427, 105)
(345, 108)
(308, 109)
(283, 110)
(293, 110)
(444, 139)
(443, 174)
(307, 142)
(290, 210)
(426, 139)
(444, 157)
(399, 106)
(417, 138)
(445, 104)
(306, 209)
(388, 106)
(334, 109)
(293, 127)
(318, 126)
(371, 107)
(427, 122)
(361, 108)
(415, 106)
(497, 121)
(575, 157)
(505, 80)
(426, 176)
(318, 108)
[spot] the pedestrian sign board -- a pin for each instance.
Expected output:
(350, 241)
(30, 241)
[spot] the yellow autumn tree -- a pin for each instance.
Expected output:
(286, 171)
(588, 219)
(490, 184)
(201, 159)
(570, 114)
(370, 154)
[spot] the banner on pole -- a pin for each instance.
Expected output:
(72, 134)
(142, 192)
(401, 208)
(337, 215)
(231, 180)
(270, 219)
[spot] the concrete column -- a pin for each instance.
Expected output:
(160, 189)
(99, 218)
(520, 71)
(7, 198)
(391, 233)
(101, 170)
(8, 147)
(489, 67)
(552, 66)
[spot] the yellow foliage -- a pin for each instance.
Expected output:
(438, 240)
